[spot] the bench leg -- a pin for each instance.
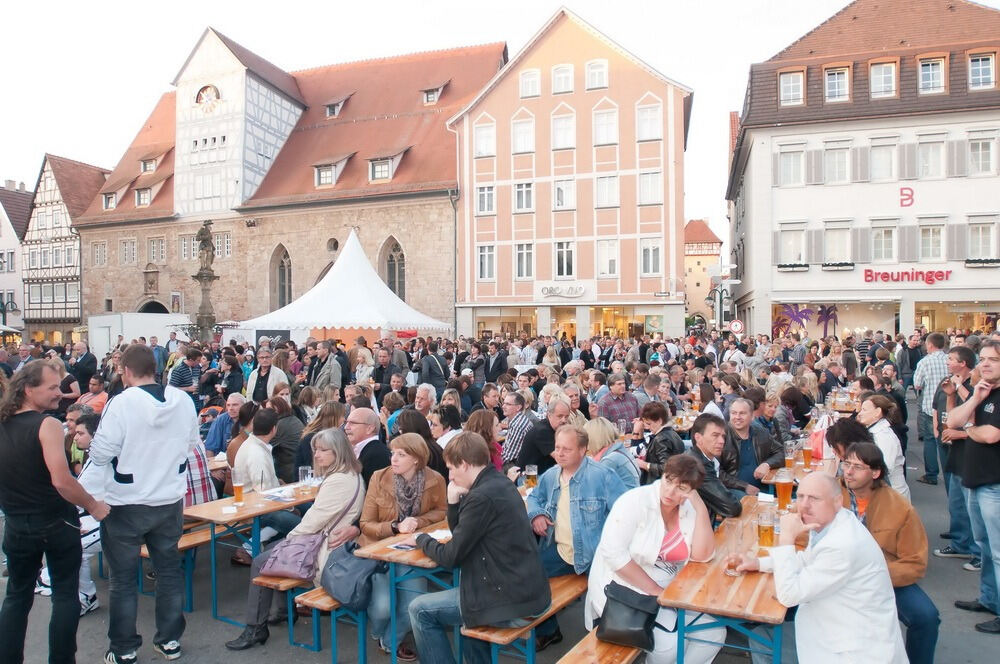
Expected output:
(529, 648)
(189, 580)
(494, 653)
(776, 647)
(317, 643)
(681, 625)
(362, 622)
(100, 565)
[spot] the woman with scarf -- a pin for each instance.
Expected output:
(402, 498)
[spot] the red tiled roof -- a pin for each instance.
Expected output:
(17, 205)
(78, 183)
(871, 26)
(734, 129)
(385, 114)
(696, 231)
(271, 74)
(155, 136)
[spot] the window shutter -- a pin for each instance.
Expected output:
(775, 169)
(775, 247)
(814, 247)
(908, 244)
(958, 158)
(860, 171)
(861, 245)
(814, 167)
(958, 235)
(908, 161)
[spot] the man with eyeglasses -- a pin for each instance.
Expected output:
(516, 424)
(896, 527)
(362, 429)
(262, 380)
(840, 582)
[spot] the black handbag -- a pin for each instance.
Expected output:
(348, 579)
(629, 618)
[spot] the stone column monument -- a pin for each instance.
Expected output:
(205, 321)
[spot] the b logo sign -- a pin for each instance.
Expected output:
(905, 196)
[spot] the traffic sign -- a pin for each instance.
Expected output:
(736, 326)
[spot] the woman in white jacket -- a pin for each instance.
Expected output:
(877, 413)
(651, 532)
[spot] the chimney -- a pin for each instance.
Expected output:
(9, 184)
(20, 186)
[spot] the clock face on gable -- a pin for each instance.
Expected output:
(207, 98)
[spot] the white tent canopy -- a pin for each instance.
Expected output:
(350, 296)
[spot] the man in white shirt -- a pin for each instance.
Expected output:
(734, 355)
(840, 582)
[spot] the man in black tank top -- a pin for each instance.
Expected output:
(37, 495)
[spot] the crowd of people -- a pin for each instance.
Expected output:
(403, 434)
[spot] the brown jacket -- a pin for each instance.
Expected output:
(896, 527)
(381, 509)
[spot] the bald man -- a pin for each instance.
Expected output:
(840, 582)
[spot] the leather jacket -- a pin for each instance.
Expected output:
(717, 498)
(665, 444)
(768, 451)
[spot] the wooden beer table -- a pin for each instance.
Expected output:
(828, 466)
(227, 519)
(727, 601)
(420, 566)
(218, 462)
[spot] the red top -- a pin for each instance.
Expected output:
(673, 549)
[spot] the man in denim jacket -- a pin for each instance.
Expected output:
(567, 511)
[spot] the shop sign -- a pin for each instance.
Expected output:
(549, 290)
(929, 277)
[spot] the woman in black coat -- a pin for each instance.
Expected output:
(663, 444)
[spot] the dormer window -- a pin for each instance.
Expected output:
(333, 110)
(147, 165)
(430, 96)
(932, 76)
(110, 201)
(143, 197)
(325, 175)
(381, 169)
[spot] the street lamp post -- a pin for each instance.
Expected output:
(721, 299)
(6, 307)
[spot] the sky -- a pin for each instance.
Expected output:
(80, 78)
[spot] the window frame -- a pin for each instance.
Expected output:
(489, 252)
(571, 118)
(526, 76)
(892, 62)
(894, 244)
(828, 244)
(476, 136)
(528, 189)
(941, 172)
(333, 110)
(563, 69)
(515, 125)
(992, 168)
(653, 246)
(930, 58)
(613, 256)
(992, 248)
(481, 195)
(835, 68)
(609, 202)
(992, 55)
(431, 97)
(598, 134)
(223, 241)
(639, 122)
(375, 165)
(891, 148)
(147, 165)
(597, 66)
(143, 193)
(569, 202)
(127, 246)
(322, 170)
(801, 156)
(794, 71)
(524, 256)
(568, 249)
(646, 176)
(99, 253)
(940, 228)
(801, 232)
(845, 154)
(109, 200)
(156, 254)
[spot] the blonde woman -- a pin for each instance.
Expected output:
(545, 396)
(808, 384)
(551, 358)
(331, 415)
(69, 388)
(452, 397)
(339, 501)
(604, 446)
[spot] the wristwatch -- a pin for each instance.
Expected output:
(395, 527)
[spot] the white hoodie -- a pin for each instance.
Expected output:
(142, 445)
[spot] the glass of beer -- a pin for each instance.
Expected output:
(807, 456)
(238, 481)
(305, 479)
(789, 454)
(783, 482)
(765, 528)
(530, 477)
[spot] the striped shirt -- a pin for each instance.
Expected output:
(516, 430)
(930, 371)
(199, 481)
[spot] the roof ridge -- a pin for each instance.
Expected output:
(802, 37)
(49, 155)
(397, 57)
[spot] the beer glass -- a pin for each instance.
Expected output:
(765, 528)
(530, 477)
(789, 454)
(734, 546)
(238, 482)
(783, 482)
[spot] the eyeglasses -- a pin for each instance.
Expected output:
(847, 465)
(346, 422)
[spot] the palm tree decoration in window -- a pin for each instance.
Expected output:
(797, 315)
(825, 315)
(779, 327)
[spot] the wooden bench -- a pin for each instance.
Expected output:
(590, 650)
(564, 589)
(292, 588)
(318, 600)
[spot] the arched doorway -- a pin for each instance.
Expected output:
(153, 307)
(281, 277)
(393, 264)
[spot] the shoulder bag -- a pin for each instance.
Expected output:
(295, 557)
(348, 579)
(629, 618)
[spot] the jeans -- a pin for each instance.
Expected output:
(931, 467)
(283, 522)
(984, 514)
(918, 613)
(433, 616)
(960, 528)
(378, 608)
(26, 539)
(125, 530)
(554, 565)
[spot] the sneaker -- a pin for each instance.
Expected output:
(949, 552)
(112, 658)
(170, 650)
(88, 603)
(974, 565)
(42, 588)
(989, 627)
(923, 479)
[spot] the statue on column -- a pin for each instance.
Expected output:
(206, 247)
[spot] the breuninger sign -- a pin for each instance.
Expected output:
(929, 277)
